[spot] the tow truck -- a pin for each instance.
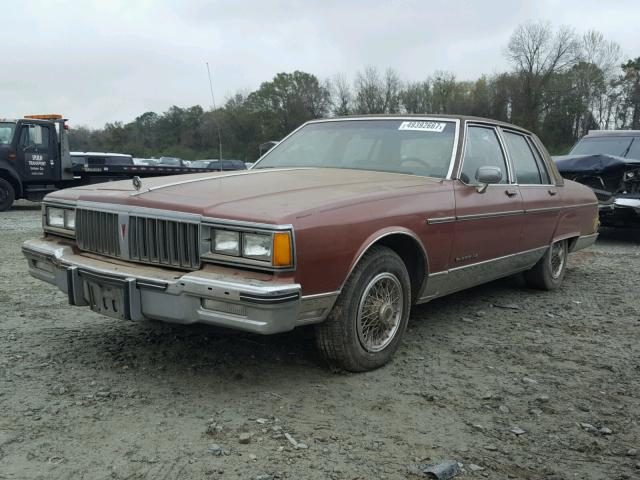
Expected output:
(35, 160)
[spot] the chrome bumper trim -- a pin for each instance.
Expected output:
(178, 297)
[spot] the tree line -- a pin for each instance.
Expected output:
(560, 85)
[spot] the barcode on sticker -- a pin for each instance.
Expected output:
(423, 126)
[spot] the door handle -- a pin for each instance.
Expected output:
(511, 192)
(552, 192)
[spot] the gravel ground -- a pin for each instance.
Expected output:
(510, 382)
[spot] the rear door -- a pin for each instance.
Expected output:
(539, 194)
(36, 152)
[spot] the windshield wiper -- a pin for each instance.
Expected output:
(624, 154)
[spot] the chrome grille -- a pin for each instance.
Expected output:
(164, 242)
(97, 232)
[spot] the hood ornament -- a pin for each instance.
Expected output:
(137, 183)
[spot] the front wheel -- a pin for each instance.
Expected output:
(365, 326)
(7, 195)
(550, 270)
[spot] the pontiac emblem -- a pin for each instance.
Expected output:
(137, 183)
(123, 230)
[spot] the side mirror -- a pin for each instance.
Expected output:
(486, 176)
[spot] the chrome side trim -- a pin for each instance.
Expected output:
(584, 241)
(579, 205)
(542, 210)
(481, 216)
(436, 220)
(460, 278)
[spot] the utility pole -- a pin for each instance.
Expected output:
(213, 107)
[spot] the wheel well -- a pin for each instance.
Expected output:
(571, 243)
(14, 183)
(413, 256)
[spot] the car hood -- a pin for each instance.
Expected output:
(261, 195)
(594, 164)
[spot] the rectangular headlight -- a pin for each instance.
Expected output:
(256, 246)
(55, 217)
(226, 242)
(70, 219)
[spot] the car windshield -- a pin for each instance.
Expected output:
(6, 132)
(617, 146)
(634, 151)
(415, 147)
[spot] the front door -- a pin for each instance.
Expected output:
(488, 224)
(35, 152)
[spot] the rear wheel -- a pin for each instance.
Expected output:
(550, 270)
(7, 195)
(366, 325)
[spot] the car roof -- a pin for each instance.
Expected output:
(613, 133)
(416, 116)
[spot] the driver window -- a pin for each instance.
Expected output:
(34, 136)
(482, 150)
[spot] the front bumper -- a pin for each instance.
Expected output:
(134, 292)
(620, 211)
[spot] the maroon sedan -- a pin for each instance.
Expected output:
(345, 224)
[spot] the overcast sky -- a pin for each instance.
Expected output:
(102, 61)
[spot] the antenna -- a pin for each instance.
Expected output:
(213, 106)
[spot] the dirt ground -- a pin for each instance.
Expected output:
(508, 381)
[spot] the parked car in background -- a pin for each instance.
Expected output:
(215, 164)
(344, 224)
(171, 162)
(145, 161)
(608, 161)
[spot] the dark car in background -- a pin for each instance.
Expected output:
(608, 161)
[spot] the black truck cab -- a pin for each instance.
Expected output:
(34, 157)
(35, 160)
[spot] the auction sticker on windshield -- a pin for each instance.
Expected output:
(423, 126)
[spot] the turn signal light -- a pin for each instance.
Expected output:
(282, 249)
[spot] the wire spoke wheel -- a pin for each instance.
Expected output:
(557, 259)
(380, 312)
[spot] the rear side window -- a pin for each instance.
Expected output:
(523, 159)
(482, 150)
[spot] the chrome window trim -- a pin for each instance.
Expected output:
(529, 141)
(540, 158)
(494, 127)
(454, 150)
